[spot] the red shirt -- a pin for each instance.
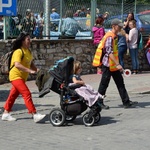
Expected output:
(148, 43)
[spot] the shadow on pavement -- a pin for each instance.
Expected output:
(18, 107)
(107, 120)
(3, 95)
(143, 104)
(103, 121)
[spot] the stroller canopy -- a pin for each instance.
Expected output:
(62, 69)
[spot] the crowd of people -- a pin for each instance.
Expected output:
(32, 23)
(110, 49)
(128, 40)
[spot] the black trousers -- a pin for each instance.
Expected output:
(118, 79)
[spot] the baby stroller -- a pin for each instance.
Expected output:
(71, 104)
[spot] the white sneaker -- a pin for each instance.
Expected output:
(8, 117)
(38, 117)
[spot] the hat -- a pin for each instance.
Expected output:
(117, 22)
(106, 12)
(28, 10)
(88, 9)
(53, 9)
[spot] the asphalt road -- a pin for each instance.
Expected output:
(118, 129)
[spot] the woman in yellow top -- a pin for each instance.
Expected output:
(22, 65)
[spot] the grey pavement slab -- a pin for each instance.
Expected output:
(119, 128)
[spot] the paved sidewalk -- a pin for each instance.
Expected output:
(119, 128)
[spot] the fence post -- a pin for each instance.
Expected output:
(61, 3)
(135, 7)
(93, 12)
(5, 28)
(47, 18)
(122, 11)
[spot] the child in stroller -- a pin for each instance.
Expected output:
(86, 91)
(72, 104)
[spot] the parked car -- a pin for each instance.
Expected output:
(142, 22)
(144, 12)
(56, 24)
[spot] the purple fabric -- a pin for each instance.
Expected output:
(148, 56)
(89, 94)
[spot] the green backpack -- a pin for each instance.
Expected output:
(5, 62)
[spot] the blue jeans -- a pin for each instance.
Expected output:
(134, 58)
(122, 50)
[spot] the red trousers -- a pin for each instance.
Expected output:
(19, 87)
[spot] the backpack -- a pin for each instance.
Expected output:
(6, 61)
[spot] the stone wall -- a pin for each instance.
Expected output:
(46, 52)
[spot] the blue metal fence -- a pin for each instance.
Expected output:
(14, 25)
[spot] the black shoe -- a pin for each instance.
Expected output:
(130, 104)
(104, 106)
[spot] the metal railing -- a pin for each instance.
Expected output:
(52, 28)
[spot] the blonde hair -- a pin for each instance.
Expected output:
(122, 32)
(133, 22)
(53, 9)
(76, 66)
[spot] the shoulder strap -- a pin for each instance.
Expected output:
(21, 58)
(22, 54)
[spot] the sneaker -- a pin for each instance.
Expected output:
(8, 117)
(104, 106)
(130, 104)
(38, 117)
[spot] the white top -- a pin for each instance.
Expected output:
(133, 38)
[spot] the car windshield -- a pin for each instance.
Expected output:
(84, 23)
(145, 19)
(107, 23)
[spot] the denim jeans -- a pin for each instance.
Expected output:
(122, 50)
(134, 58)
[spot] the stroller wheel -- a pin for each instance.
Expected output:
(88, 121)
(70, 118)
(97, 117)
(57, 117)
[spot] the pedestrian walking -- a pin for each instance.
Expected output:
(21, 65)
(111, 66)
